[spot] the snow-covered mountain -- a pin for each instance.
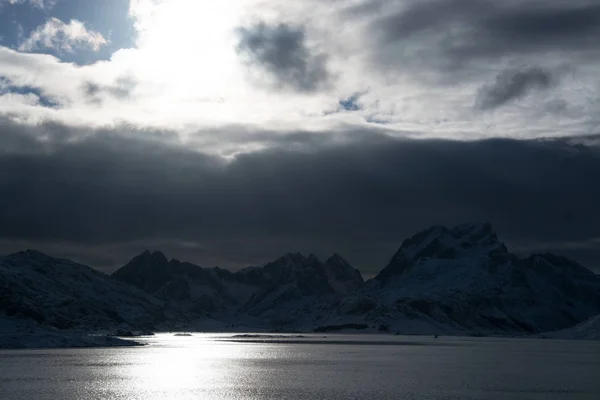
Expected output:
(256, 291)
(200, 290)
(586, 330)
(459, 280)
(465, 278)
(294, 277)
(62, 294)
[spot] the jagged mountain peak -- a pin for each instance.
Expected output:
(64, 294)
(337, 259)
(156, 256)
(295, 260)
(147, 270)
(468, 234)
(341, 270)
(475, 285)
(443, 242)
(293, 277)
(473, 241)
(476, 233)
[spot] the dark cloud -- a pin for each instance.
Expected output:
(455, 33)
(281, 51)
(122, 89)
(112, 193)
(555, 24)
(511, 85)
(410, 19)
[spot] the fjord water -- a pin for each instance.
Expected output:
(308, 367)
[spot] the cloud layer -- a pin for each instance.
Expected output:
(229, 132)
(361, 198)
(432, 67)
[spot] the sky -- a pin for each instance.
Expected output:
(230, 132)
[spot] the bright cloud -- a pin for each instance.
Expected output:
(55, 34)
(265, 63)
(42, 4)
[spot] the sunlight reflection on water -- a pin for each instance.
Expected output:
(311, 367)
(186, 369)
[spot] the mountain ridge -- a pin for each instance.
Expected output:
(447, 280)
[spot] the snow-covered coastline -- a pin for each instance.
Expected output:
(23, 334)
(459, 281)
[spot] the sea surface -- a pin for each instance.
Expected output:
(227, 366)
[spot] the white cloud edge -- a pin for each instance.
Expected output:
(57, 35)
(41, 4)
(169, 95)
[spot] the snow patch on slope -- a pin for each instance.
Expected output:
(587, 330)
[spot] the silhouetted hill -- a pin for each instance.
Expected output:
(459, 280)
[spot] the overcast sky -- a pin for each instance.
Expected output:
(230, 132)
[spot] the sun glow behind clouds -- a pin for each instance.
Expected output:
(189, 72)
(185, 71)
(187, 45)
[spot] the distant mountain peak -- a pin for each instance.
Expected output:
(337, 259)
(312, 258)
(462, 236)
(473, 232)
(64, 294)
(468, 240)
(341, 269)
(460, 278)
(151, 257)
(147, 263)
(476, 232)
(291, 258)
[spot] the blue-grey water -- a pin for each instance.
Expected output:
(309, 367)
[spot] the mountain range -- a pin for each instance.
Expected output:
(460, 280)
